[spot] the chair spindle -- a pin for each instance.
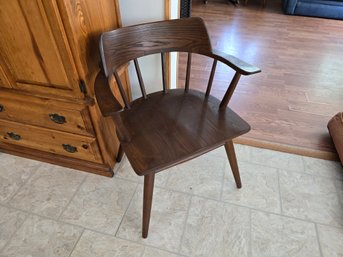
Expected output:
(230, 91)
(121, 90)
(210, 81)
(163, 62)
(188, 74)
(140, 79)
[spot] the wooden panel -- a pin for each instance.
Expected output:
(49, 140)
(49, 114)
(36, 53)
(84, 21)
(93, 167)
(4, 82)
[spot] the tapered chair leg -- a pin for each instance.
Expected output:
(120, 154)
(147, 202)
(230, 151)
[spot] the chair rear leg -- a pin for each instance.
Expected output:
(147, 202)
(120, 154)
(230, 151)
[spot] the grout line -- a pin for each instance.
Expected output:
(143, 252)
(303, 163)
(299, 171)
(24, 183)
(142, 243)
(154, 247)
(186, 193)
(119, 166)
(12, 236)
(243, 206)
(127, 208)
(168, 177)
(317, 235)
(45, 217)
(185, 224)
(73, 196)
(76, 243)
(279, 187)
(250, 154)
(250, 236)
(225, 169)
(338, 193)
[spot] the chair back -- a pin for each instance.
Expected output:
(122, 45)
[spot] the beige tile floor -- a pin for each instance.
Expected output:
(289, 206)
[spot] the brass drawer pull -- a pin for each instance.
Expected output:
(2, 108)
(69, 148)
(14, 136)
(59, 119)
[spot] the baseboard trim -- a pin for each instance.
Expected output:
(96, 168)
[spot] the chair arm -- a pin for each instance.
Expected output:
(235, 63)
(107, 102)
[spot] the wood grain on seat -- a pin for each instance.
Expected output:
(171, 128)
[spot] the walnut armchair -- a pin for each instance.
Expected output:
(168, 127)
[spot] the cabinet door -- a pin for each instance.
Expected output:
(84, 21)
(35, 50)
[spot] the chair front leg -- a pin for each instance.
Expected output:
(230, 151)
(147, 202)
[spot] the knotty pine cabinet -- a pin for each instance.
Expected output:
(49, 58)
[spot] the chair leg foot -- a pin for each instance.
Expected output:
(120, 154)
(230, 151)
(147, 202)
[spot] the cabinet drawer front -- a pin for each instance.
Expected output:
(52, 116)
(76, 146)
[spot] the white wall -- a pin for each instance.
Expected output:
(175, 13)
(141, 11)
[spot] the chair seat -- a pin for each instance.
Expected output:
(167, 129)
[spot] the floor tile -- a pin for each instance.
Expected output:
(100, 203)
(218, 152)
(41, 238)
(10, 221)
(311, 198)
(153, 252)
(339, 187)
(331, 241)
(48, 191)
(216, 229)
(242, 152)
(93, 244)
(274, 236)
(202, 176)
(260, 188)
(14, 172)
(323, 168)
(277, 159)
(168, 216)
(125, 171)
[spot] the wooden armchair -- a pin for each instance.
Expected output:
(168, 127)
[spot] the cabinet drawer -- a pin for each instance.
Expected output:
(71, 145)
(46, 113)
